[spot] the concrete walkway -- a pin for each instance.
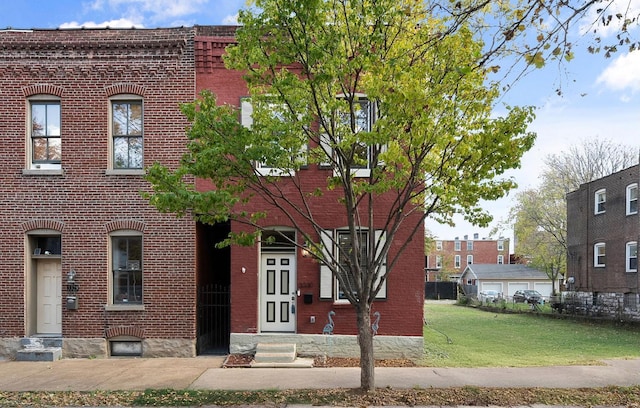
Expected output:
(207, 373)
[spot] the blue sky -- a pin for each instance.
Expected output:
(601, 97)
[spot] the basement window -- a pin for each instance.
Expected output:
(125, 347)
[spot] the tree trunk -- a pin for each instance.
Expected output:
(365, 340)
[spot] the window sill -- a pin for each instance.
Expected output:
(42, 172)
(113, 172)
(124, 308)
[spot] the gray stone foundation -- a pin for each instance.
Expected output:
(9, 347)
(610, 305)
(411, 347)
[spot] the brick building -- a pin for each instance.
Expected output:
(86, 260)
(602, 236)
(316, 292)
(451, 257)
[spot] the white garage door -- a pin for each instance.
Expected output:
(497, 286)
(513, 286)
(545, 288)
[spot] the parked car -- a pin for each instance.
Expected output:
(527, 296)
(489, 296)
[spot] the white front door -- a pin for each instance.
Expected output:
(49, 296)
(278, 292)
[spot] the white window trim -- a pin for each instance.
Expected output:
(628, 256)
(500, 245)
(40, 168)
(469, 245)
(596, 197)
(438, 245)
(469, 259)
(457, 261)
(110, 306)
(500, 259)
(128, 171)
(439, 261)
(457, 246)
(596, 248)
(631, 187)
(329, 283)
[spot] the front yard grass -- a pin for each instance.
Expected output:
(459, 336)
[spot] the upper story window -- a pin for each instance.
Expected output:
(353, 119)
(439, 245)
(457, 246)
(456, 261)
(500, 245)
(500, 259)
(632, 199)
(126, 127)
(599, 256)
(469, 259)
(632, 257)
(439, 261)
(469, 245)
(126, 261)
(277, 117)
(600, 201)
(45, 147)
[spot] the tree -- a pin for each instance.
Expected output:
(539, 217)
(364, 84)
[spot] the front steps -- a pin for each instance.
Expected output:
(40, 349)
(273, 355)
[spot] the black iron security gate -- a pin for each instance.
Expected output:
(213, 319)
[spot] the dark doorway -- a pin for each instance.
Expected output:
(441, 290)
(214, 300)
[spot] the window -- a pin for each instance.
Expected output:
(355, 152)
(45, 134)
(267, 167)
(439, 261)
(126, 134)
(126, 259)
(500, 259)
(632, 199)
(457, 246)
(456, 261)
(500, 245)
(600, 200)
(632, 257)
(439, 245)
(469, 259)
(469, 245)
(337, 245)
(599, 258)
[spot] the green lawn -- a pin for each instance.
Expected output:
(459, 336)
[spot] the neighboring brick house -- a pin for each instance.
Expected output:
(86, 259)
(315, 292)
(602, 237)
(451, 257)
(84, 256)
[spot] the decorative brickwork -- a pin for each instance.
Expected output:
(124, 331)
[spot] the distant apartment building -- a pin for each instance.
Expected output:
(449, 258)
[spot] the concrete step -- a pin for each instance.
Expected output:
(298, 362)
(275, 353)
(43, 354)
(40, 349)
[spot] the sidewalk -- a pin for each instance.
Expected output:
(207, 373)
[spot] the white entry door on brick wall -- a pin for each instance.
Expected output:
(49, 296)
(278, 292)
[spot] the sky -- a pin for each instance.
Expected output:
(600, 96)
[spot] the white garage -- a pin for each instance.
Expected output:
(506, 279)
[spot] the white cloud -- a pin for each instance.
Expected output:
(120, 23)
(622, 74)
(158, 10)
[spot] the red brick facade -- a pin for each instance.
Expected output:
(401, 311)
(84, 202)
(453, 255)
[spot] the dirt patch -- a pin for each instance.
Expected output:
(244, 360)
